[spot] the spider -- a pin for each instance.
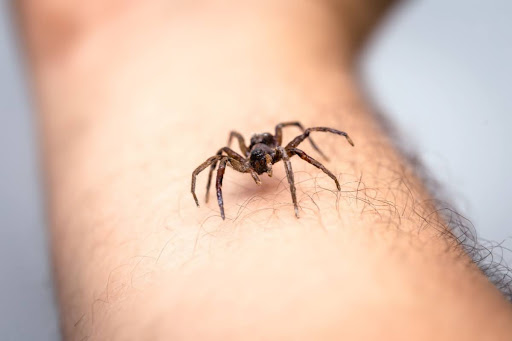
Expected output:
(263, 152)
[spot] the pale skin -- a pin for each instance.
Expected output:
(131, 97)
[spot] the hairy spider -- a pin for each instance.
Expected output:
(264, 151)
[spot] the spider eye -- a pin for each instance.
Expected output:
(257, 154)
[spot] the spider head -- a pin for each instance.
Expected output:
(261, 159)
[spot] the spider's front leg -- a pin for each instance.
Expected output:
(240, 165)
(220, 177)
(309, 159)
(210, 161)
(279, 135)
(298, 140)
(289, 175)
(237, 161)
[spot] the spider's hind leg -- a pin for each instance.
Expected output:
(241, 142)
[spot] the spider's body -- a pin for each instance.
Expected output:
(263, 152)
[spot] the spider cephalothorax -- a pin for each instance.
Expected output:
(264, 151)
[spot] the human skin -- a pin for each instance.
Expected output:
(133, 96)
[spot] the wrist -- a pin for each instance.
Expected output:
(56, 29)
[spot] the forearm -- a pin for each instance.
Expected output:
(125, 124)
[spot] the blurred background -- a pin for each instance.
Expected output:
(440, 70)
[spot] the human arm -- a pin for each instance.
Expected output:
(134, 99)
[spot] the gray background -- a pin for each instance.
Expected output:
(439, 69)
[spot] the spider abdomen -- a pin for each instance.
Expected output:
(264, 138)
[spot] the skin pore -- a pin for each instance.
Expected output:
(133, 96)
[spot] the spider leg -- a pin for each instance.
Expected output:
(231, 153)
(298, 140)
(279, 135)
(241, 142)
(237, 165)
(309, 159)
(220, 176)
(289, 175)
(241, 165)
(198, 170)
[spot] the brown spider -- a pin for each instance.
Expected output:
(265, 150)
